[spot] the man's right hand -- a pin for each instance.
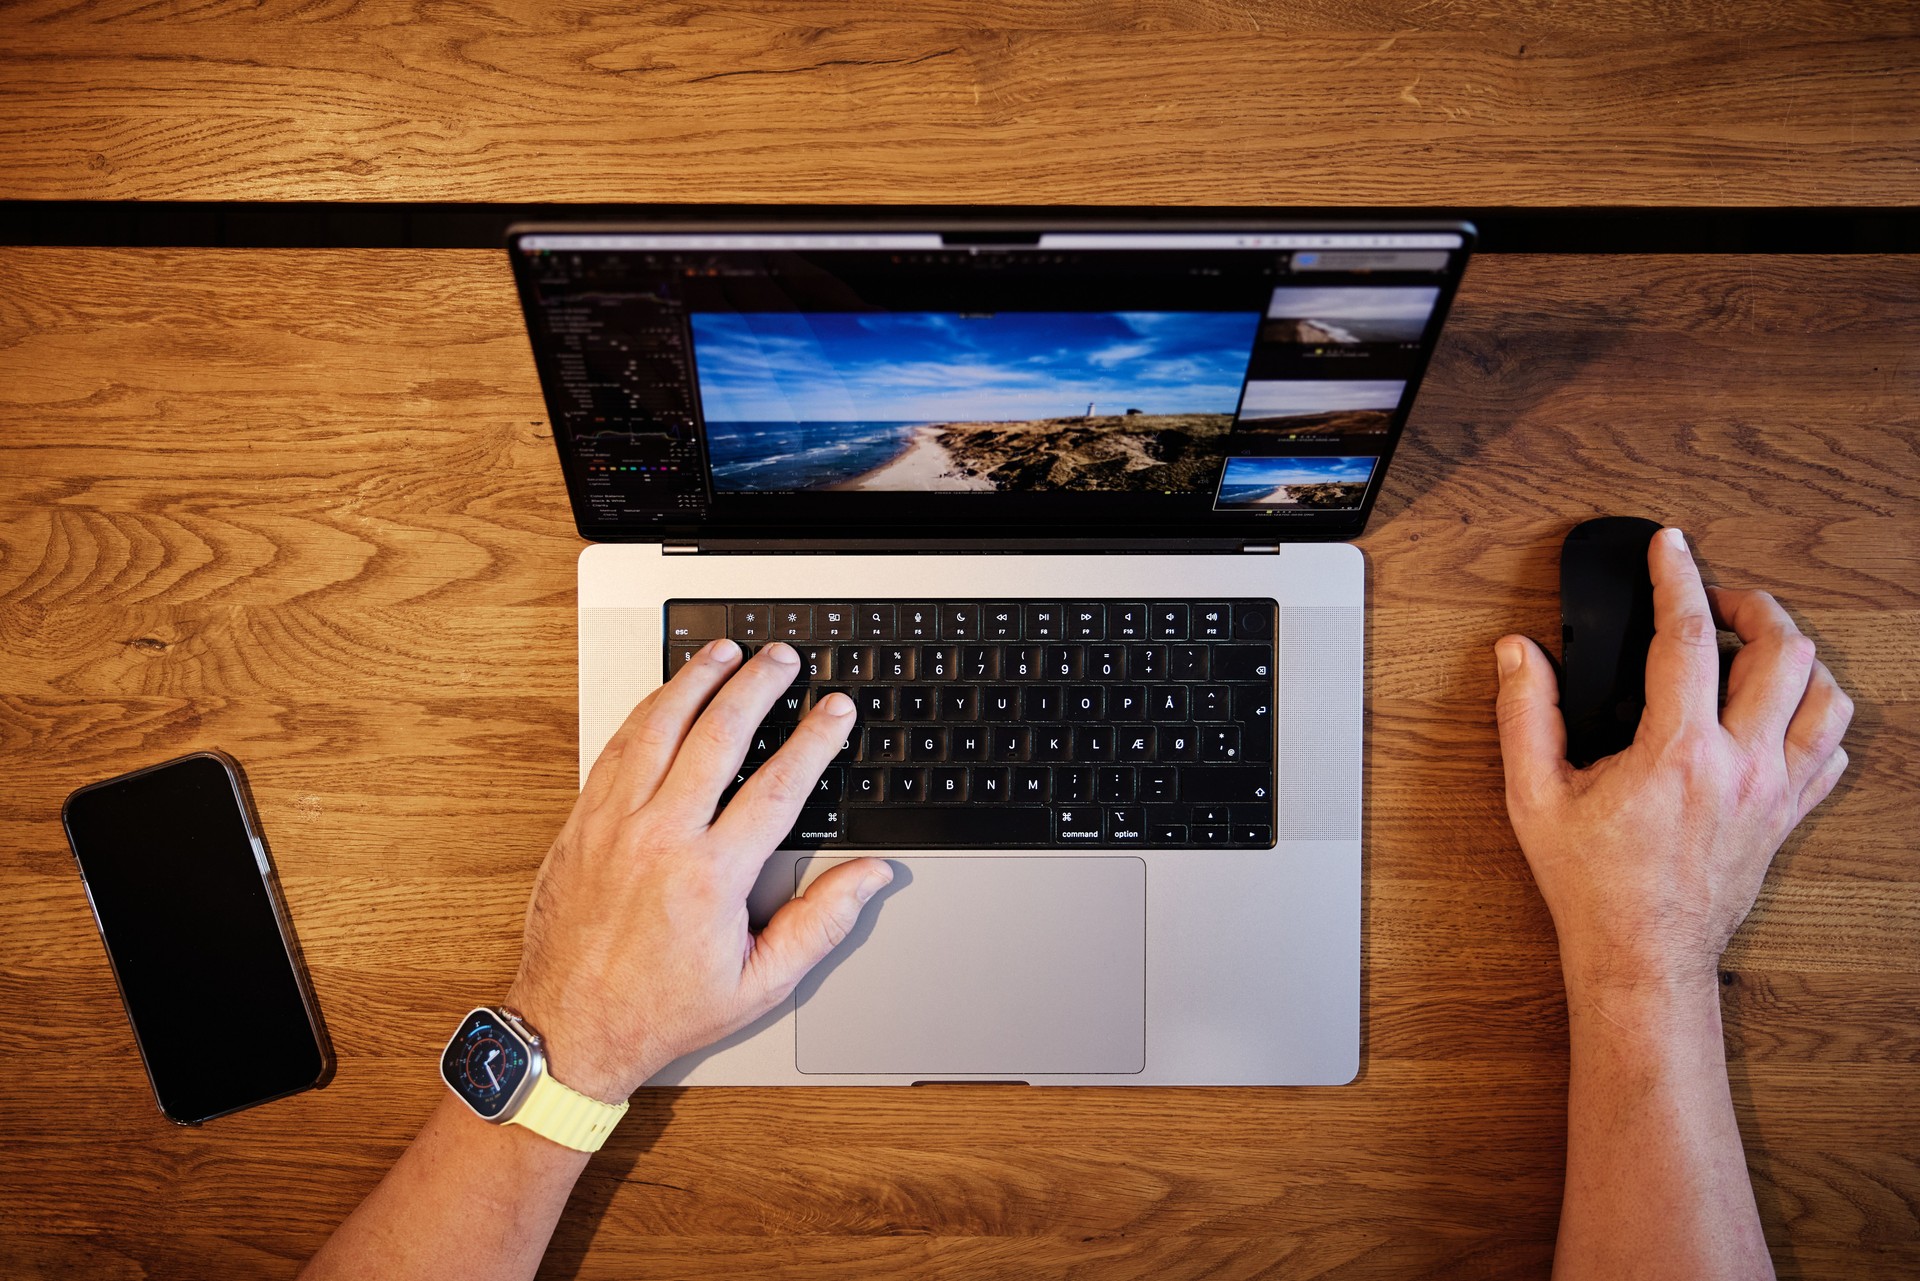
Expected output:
(1650, 859)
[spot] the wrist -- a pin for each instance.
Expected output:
(579, 1055)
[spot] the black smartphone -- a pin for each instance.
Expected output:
(199, 940)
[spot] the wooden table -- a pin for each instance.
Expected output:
(303, 505)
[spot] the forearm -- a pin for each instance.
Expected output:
(1657, 1180)
(467, 1199)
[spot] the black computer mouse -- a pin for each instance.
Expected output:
(1606, 625)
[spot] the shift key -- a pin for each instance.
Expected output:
(1226, 783)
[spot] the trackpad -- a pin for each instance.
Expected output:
(1010, 966)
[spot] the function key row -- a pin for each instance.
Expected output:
(1082, 621)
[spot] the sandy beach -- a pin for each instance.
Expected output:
(924, 464)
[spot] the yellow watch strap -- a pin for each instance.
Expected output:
(567, 1116)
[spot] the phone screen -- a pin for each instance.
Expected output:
(188, 916)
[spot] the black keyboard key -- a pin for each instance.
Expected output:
(960, 622)
(1113, 783)
(1147, 662)
(1066, 662)
(905, 786)
(816, 662)
(1212, 835)
(1086, 703)
(1127, 703)
(827, 786)
(816, 827)
(873, 622)
(947, 784)
(1253, 621)
(1219, 742)
(1079, 825)
(1126, 825)
(1086, 622)
(980, 663)
(918, 623)
(1242, 663)
(817, 694)
(1072, 783)
(955, 825)
(853, 663)
(967, 744)
(1212, 622)
(1167, 622)
(833, 622)
(1167, 702)
(678, 656)
(1027, 663)
(1134, 744)
(1257, 834)
(1093, 743)
(928, 744)
(1187, 662)
(793, 622)
(1177, 743)
(866, 784)
(1211, 815)
(1051, 744)
(1253, 710)
(765, 742)
(1127, 622)
(990, 785)
(1000, 703)
(1012, 743)
(917, 703)
(1227, 783)
(1167, 834)
(1043, 622)
(1041, 702)
(696, 622)
(1159, 783)
(885, 743)
(790, 706)
(875, 702)
(1106, 663)
(959, 702)
(939, 663)
(1000, 623)
(897, 662)
(1030, 783)
(1209, 703)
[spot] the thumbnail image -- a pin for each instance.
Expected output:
(999, 402)
(1329, 484)
(1335, 314)
(1320, 407)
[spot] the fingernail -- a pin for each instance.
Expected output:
(782, 653)
(874, 882)
(837, 704)
(723, 651)
(1507, 654)
(1673, 535)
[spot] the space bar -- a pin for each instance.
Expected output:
(948, 825)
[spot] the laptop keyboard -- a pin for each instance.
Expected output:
(1021, 724)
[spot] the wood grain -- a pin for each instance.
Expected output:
(303, 505)
(1331, 102)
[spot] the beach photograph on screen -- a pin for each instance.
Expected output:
(998, 402)
(1313, 407)
(1329, 315)
(1321, 484)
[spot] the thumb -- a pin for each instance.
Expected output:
(1533, 737)
(802, 933)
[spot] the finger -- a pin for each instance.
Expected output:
(1683, 663)
(1533, 737)
(1822, 783)
(713, 749)
(638, 755)
(764, 809)
(1818, 725)
(806, 928)
(1771, 671)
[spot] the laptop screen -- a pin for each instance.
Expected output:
(1088, 384)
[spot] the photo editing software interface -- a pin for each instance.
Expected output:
(703, 378)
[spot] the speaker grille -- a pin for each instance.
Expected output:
(1322, 683)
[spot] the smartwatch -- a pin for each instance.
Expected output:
(497, 1065)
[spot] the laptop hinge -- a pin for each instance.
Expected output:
(679, 549)
(1262, 549)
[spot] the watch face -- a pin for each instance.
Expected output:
(485, 1062)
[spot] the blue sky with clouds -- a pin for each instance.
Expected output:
(1272, 472)
(942, 367)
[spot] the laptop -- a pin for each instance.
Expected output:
(1061, 503)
